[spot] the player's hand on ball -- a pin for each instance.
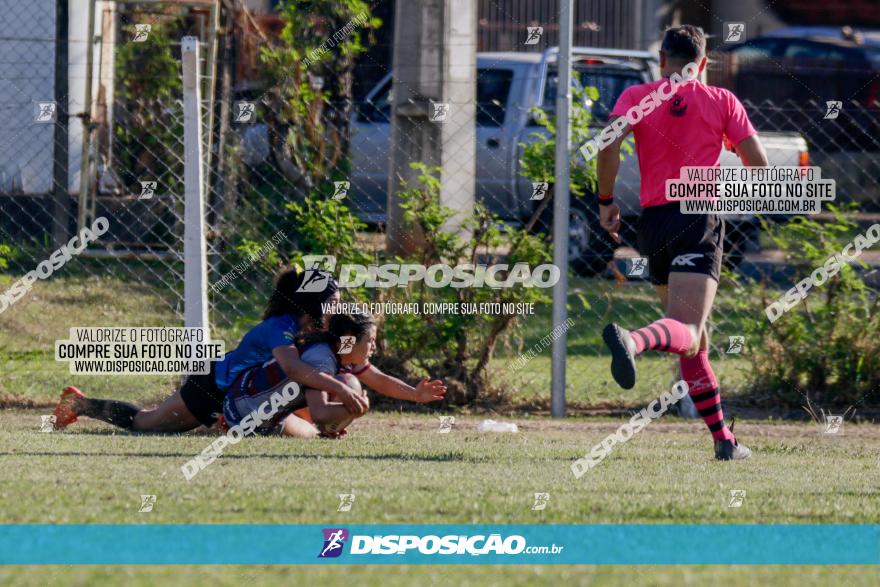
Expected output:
(609, 219)
(429, 391)
(354, 402)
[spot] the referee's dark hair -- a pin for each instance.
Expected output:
(684, 44)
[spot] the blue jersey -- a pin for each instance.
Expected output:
(256, 348)
(256, 386)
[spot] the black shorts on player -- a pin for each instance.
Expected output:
(687, 243)
(202, 397)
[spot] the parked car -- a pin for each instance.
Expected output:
(794, 66)
(508, 86)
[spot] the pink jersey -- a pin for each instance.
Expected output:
(686, 130)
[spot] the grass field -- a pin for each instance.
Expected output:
(401, 470)
(398, 576)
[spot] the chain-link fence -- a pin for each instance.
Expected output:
(136, 178)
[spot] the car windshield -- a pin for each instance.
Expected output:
(610, 83)
(493, 87)
(550, 89)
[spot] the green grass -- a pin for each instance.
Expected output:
(402, 470)
(459, 576)
(29, 329)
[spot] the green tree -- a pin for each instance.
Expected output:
(309, 74)
(148, 121)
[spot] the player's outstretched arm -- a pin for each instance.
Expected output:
(426, 391)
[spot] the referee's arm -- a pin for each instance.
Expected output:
(607, 166)
(751, 152)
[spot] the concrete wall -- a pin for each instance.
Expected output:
(27, 65)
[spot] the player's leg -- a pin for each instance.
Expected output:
(691, 297)
(661, 234)
(198, 402)
(675, 244)
(329, 417)
(298, 427)
(690, 300)
(663, 294)
(74, 403)
(667, 334)
(171, 415)
(685, 405)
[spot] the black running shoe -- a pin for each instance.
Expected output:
(731, 450)
(623, 355)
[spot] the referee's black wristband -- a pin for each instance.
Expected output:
(606, 201)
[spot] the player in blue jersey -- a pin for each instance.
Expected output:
(292, 309)
(342, 350)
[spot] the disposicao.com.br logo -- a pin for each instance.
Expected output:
(388, 275)
(431, 544)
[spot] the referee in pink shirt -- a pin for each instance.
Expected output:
(684, 251)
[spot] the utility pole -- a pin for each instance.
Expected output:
(60, 185)
(220, 185)
(85, 211)
(561, 208)
(434, 107)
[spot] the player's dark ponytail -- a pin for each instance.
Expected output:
(287, 299)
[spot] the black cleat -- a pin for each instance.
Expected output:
(623, 355)
(731, 450)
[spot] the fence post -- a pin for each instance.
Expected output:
(85, 205)
(560, 209)
(195, 291)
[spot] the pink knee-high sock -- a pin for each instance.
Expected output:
(665, 335)
(703, 389)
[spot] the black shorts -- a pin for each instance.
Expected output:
(202, 397)
(687, 243)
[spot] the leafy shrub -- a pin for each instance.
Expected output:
(825, 349)
(307, 73)
(148, 119)
(309, 95)
(539, 157)
(6, 253)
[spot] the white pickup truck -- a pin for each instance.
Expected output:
(509, 85)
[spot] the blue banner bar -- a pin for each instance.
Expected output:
(93, 544)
